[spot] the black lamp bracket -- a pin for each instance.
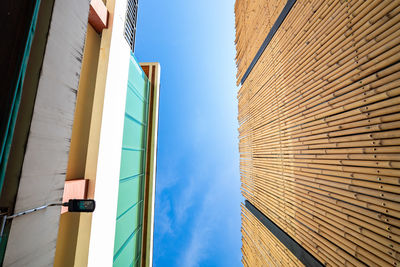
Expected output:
(74, 205)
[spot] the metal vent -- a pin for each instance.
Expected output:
(130, 23)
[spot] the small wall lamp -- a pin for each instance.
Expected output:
(74, 205)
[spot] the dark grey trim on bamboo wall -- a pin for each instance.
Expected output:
(268, 39)
(301, 253)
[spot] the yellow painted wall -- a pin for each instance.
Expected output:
(70, 222)
(66, 241)
(83, 112)
(83, 238)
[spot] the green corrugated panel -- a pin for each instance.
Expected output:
(130, 220)
(134, 110)
(132, 162)
(128, 195)
(128, 231)
(133, 134)
(130, 254)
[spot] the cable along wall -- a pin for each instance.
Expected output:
(319, 130)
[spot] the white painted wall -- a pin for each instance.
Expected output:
(32, 239)
(101, 248)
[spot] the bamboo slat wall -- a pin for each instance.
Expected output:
(319, 129)
(254, 19)
(261, 247)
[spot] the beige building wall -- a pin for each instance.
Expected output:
(70, 222)
(32, 239)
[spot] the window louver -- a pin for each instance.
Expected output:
(130, 23)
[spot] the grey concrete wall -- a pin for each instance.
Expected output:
(32, 239)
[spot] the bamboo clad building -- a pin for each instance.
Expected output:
(319, 131)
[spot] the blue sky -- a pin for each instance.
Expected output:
(197, 217)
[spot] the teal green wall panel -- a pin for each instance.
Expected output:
(129, 253)
(137, 80)
(131, 220)
(129, 194)
(133, 134)
(128, 230)
(132, 162)
(135, 107)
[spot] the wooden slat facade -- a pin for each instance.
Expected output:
(254, 19)
(319, 128)
(261, 247)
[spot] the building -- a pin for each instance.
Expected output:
(79, 120)
(319, 128)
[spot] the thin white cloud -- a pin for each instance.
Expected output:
(167, 178)
(209, 219)
(185, 201)
(164, 222)
(196, 250)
